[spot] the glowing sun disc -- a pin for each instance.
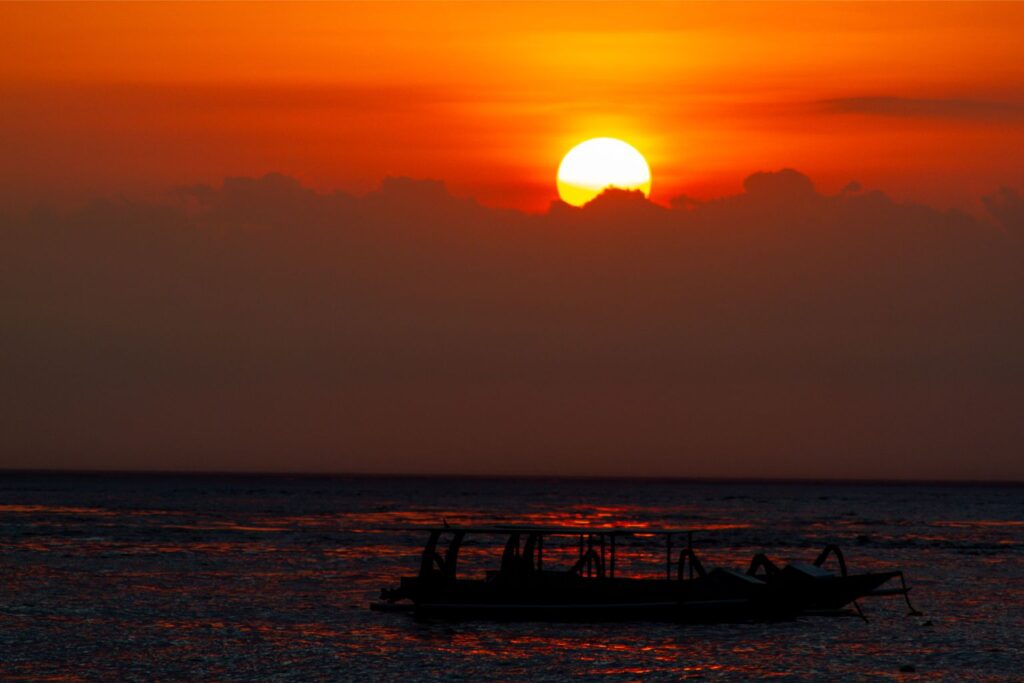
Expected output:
(599, 163)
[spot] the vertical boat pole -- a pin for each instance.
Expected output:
(590, 556)
(668, 556)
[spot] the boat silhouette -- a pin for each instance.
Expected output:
(523, 587)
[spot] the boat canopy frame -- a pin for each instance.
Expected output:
(596, 551)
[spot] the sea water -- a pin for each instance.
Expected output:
(198, 577)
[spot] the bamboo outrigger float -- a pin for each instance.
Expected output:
(525, 588)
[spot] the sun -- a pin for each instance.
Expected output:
(599, 163)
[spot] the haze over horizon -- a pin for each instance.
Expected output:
(262, 326)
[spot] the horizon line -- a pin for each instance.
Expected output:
(323, 474)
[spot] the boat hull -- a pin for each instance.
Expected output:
(699, 600)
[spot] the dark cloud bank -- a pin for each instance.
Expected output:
(263, 326)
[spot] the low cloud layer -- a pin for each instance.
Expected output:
(263, 326)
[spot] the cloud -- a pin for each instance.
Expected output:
(909, 107)
(786, 187)
(262, 325)
(1007, 207)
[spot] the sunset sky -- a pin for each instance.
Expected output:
(923, 100)
(326, 237)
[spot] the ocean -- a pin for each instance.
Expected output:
(162, 577)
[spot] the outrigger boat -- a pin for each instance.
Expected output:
(525, 588)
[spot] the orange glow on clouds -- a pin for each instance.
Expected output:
(923, 100)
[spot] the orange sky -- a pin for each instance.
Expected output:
(921, 100)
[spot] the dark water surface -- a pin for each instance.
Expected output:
(163, 577)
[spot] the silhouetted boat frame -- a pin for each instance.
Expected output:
(523, 589)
